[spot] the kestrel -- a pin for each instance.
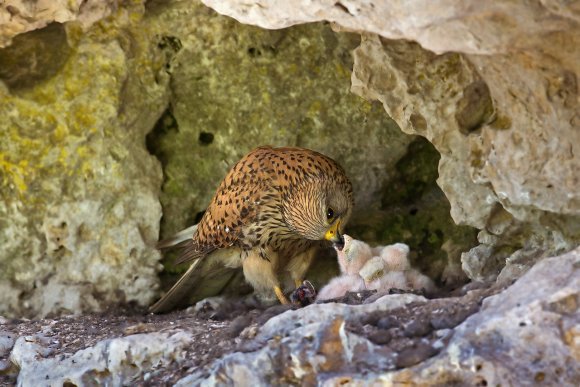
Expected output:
(271, 212)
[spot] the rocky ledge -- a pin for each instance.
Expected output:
(526, 333)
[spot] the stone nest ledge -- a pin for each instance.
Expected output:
(523, 335)
(493, 86)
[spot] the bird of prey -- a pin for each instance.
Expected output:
(269, 215)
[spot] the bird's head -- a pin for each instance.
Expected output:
(320, 209)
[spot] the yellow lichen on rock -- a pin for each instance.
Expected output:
(72, 158)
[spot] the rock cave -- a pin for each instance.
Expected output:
(458, 123)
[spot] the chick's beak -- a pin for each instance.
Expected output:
(333, 235)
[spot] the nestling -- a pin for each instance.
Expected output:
(379, 268)
(395, 257)
(353, 256)
(272, 211)
(339, 286)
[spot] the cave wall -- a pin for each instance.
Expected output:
(79, 203)
(114, 114)
(111, 123)
(234, 87)
(494, 87)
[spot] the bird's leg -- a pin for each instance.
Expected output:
(304, 294)
(299, 264)
(261, 273)
(280, 294)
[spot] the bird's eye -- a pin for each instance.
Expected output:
(329, 213)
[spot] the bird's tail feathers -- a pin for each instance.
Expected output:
(190, 251)
(177, 293)
(178, 238)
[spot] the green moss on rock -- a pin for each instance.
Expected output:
(243, 87)
(415, 211)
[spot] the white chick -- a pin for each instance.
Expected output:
(395, 257)
(353, 255)
(373, 269)
(390, 280)
(377, 250)
(377, 277)
(339, 286)
(418, 281)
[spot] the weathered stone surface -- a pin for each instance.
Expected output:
(6, 343)
(413, 84)
(449, 25)
(297, 345)
(114, 362)
(500, 103)
(34, 57)
(235, 87)
(79, 192)
(19, 16)
(524, 335)
(118, 347)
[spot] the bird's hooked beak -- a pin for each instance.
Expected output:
(333, 235)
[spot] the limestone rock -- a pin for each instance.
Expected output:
(450, 25)
(312, 339)
(79, 199)
(493, 86)
(471, 201)
(411, 95)
(536, 318)
(19, 16)
(235, 87)
(114, 362)
(524, 335)
(7, 340)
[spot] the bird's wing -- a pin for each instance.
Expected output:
(177, 291)
(204, 278)
(177, 239)
(235, 204)
(258, 177)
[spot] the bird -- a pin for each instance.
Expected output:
(271, 212)
(395, 257)
(420, 282)
(339, 286)
(353, 255)
(379, 268)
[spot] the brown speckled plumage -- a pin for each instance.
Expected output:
(273, 204)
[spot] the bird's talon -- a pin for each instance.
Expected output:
(280, 294)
